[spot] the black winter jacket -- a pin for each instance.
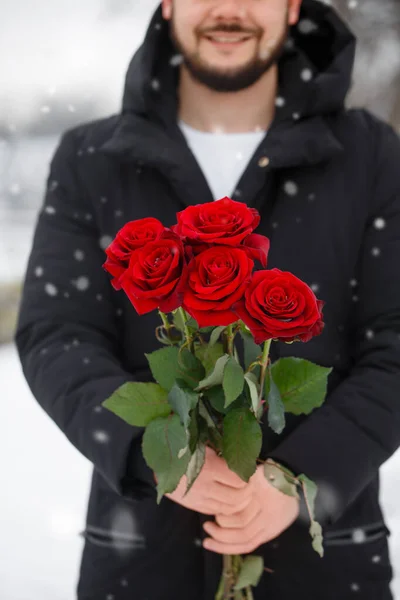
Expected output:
(329, 199)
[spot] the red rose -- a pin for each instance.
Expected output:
(156, 275)
(224, 221)
(132, 236)
(281, 306)
(217, 279)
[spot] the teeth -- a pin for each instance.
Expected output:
(227, 40)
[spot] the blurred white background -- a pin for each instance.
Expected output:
(63, 63)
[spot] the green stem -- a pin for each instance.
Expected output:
(264, 365)
(166, 323)
(229, 338)
(188, 336)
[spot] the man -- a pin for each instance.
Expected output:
(245, 99)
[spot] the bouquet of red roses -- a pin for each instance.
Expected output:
(199, 274)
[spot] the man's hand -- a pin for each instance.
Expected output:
(269, 513)
(217, 490)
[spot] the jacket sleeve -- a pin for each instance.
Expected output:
(67, 330)
(342, 445)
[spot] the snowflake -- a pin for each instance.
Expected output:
(99, 297)
(274, 224)
(101, 436)
(105, 241)
(103, 199)
(176, 60)
(376, 559)
(51, 289)
(157, 26)
(379, 223)
(291, 188)
(237, 193)
(119, 312)
(314, 287)
(82, 283)
(280, 101)
(86, 360)
(311, 197)
(352, 4)
(71, 108)
(88, 217)
(53, 185)
(239, 156)
(353, 282)
(296, 116)
(66, 295)
(45, 109)
(91, 150)
(118, 213)
(355, 587)
(75, 342)
(375, 251)
(39, 271)
(124, 583)
(355, 298)
(306, 26)
(50, 210)
(98, 409)
(79, 255)
(298, 219)
(155, 84)
(197, 542)
(369, 334)
(306, 74)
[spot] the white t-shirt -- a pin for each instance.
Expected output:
(223, 157)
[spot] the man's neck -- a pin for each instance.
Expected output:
(251, 109)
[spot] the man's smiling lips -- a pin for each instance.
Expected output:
(227, 40)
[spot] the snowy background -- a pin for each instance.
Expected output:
(63, 63)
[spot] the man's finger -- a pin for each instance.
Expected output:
(239, 519)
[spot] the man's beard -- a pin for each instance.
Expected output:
(230, 80)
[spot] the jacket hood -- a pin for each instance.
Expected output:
(315, 69)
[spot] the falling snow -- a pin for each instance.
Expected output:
(79, 255)
(39, 271)
(376, 251)
(355, 587)
(369, 334)
(105, 241)
(176, 60)
(51, 289)
(291, 188)
(50, 210)
(359, 536)
(306, 26)
(379, 223)
(101, 436)
(81, 284)
(376, 559)
(279, 101)
(306, 74)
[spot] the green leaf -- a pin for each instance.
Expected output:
(242, 440)
(317, 538)
(214, 337)
(189, 368)
(216, 376)
(216, 397)
(310, 490)
(178, 321)
(250, 572)
(192, 324)
(302, 384)
(206, 415)
(163, 364)
(138, 403)
(163, 440)
(276, 409)
(195, 465)
(280, 479)
(193, 432)
(209, 355)
(254, 388)
(251, 350)
(233, 381)
(182, 400)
